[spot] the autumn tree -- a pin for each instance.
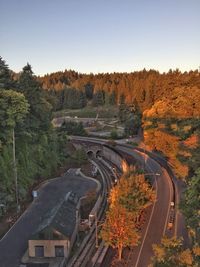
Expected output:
(119, 229)
(171, 253)
(127, 199)
(132, 192)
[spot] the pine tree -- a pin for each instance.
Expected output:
(5, 77)
(123, 109)
(112, 98)
(99, 98)
(40, 110)
(89, 89)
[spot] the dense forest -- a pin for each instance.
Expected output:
(144, 87)
(169, 103)
(29, 146)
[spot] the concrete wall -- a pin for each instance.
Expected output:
(49, 247)
(105, 151)
(115, 158)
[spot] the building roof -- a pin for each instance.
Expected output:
(61, 218)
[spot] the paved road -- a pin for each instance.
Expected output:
(14, 244)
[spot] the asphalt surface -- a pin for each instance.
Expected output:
(14, 244)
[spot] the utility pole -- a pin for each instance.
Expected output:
(15, 173)
(96, 231)
(97, 224)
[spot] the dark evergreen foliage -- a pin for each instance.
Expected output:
(39, 150)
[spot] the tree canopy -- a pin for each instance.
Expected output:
(25, 114)
(171, 253)
(127, 200)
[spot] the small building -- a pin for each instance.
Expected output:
(57, 234)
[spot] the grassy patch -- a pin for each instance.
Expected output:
(89, 112)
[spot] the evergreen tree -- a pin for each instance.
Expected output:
(132, 125)
(123, 109)
(13, 108)
(72, 128)
(99, 98)
(82, 99)
(5, 77)
(112, 98)
(89, 89)
(40, 110)
(191, 206)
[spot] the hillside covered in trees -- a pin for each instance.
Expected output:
(143, 87)
(169, 103)
(30, 148)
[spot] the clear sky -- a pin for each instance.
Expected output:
(100, 35)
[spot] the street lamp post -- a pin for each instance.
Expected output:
(96, 228)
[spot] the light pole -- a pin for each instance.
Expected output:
(97, 224)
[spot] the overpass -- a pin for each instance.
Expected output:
(96, 149)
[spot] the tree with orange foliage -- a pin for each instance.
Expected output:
(133, 192)
(127, 200)
(119, 229)
(171, 253)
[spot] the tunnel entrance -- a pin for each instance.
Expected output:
(99, 153)
(90, 154)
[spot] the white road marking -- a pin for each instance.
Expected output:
(170, 199)
(141, 247)
(177, 211)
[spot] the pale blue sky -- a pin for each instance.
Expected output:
(100, 35)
